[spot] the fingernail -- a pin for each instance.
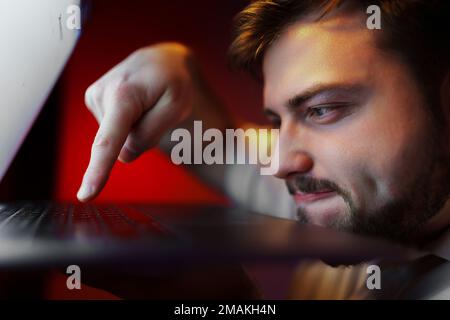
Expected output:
(85, 192)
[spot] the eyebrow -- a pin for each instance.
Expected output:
(335, 90)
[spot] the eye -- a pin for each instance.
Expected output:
(319, 111)
(325, 114)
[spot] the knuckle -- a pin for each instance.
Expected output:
(88, 101)
(101, 142)
(93, 97)
(123, 89)
(126, 101)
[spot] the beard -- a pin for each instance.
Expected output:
(401, 219)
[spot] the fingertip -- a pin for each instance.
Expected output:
(86, 193)
(82, 200)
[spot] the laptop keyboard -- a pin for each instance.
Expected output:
(70, 220)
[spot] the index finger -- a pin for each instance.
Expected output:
(111, 136)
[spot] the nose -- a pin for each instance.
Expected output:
(293, 157)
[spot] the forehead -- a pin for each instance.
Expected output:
(338, 48)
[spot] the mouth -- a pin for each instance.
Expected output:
(305, 197)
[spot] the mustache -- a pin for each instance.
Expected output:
(307, 184)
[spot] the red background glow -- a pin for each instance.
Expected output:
(114, 30)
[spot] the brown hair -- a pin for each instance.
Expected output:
(418, 30)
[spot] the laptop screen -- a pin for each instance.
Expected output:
(36, 39)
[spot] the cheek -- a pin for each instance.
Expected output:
(375, 156)
(398, 125)
(345, 160)
(400, 154)
(392, 149)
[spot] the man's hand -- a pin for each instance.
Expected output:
(135, 103)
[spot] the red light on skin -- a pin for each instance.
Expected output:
(302, 197)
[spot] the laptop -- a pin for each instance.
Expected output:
(46, 234)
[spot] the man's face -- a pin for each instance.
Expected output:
(357, 145)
